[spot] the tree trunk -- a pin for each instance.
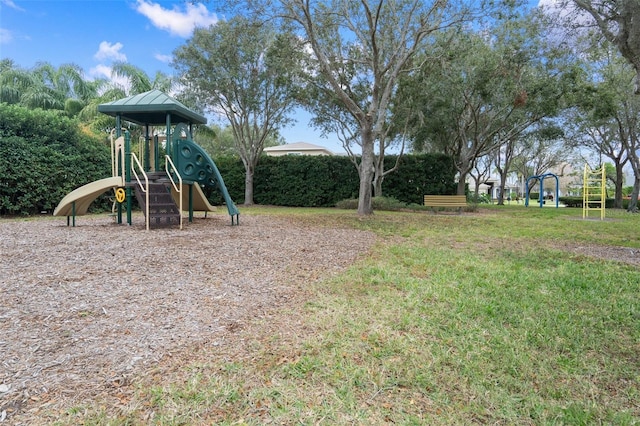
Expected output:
(378, 177)
(462, 185)
(476, 190)
(377, 185)
(501, 190)
(633, 150)
(248, 186)
(633, 202)
(366, 171)
(617, 200)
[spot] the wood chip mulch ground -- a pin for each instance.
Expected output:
(84, 309)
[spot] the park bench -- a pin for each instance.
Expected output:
(446, 201)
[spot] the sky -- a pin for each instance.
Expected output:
(96, 33)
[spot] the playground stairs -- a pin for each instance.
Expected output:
(163, 210)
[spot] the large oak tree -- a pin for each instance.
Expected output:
(359, 50)
(486, 89)
(619, 22)
(246, 71)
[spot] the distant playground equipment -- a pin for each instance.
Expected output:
(594, 191)
(162, 185)
(540, 179)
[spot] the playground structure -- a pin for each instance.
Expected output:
(540, 179)
(162, 186)
(594, 191)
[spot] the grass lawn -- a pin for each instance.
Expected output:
(451, 319)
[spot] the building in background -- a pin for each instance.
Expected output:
(298, 148)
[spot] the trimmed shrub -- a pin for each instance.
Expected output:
(576, 202)
(43, 156)
(418, 175)
(323, 181)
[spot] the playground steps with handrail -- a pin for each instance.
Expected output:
(163, 210)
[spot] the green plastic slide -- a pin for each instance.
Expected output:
(196, 165)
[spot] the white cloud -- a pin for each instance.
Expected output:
(11, 4)
(565, 10)
(104, 72)
(6, 36)
(108, 51)
(554, 7)
(163, 58)
(100, 71)
(571, 24)
(176, 21)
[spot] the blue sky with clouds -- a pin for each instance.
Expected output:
(96, 33)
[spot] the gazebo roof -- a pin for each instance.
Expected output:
(151, 108)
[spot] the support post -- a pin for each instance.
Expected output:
(127, 174)
(147, 140)
(118, 134)
(190, 201)
(156, 153)
(171, 149)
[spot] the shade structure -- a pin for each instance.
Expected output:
(151, 108)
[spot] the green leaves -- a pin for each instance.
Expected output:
(47, 87)
(247, 71)
(322, 181)
(43, 155)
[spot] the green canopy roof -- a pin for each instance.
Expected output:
(151, 108)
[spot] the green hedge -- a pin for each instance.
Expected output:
(43, 156)
(577, 202)
(322, 181)
(419, 175)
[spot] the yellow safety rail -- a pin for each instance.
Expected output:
(178, 188)
(593, 191)
(145, 188)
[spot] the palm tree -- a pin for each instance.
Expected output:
(14, 81)
(126, 80)
(139, 81)
(46, 87)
